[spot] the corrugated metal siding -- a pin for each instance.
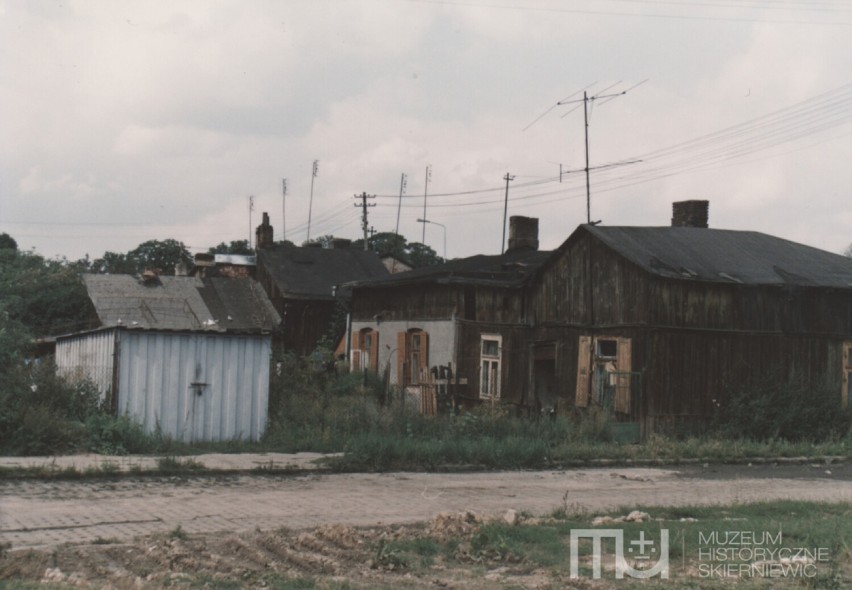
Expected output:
(88, 356)
(195, 387)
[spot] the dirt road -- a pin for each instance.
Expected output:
(48, 513)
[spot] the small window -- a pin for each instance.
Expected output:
(607, 349)
(489, 383)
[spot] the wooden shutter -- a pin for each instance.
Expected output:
(584, 369)
(355, 362)
(374, 353)
(624, 364)
(424, 353)
(401, 356)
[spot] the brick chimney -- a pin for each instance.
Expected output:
(263, 234)
(690, 213)
(523, 233)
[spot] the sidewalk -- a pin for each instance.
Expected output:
(239, 462)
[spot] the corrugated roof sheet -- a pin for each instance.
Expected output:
(501, 270)
(730, 256)
(314, 272)
(181, 303)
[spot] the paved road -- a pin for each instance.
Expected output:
(46, 513)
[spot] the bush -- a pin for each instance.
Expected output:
(44, 414)
(783, 408)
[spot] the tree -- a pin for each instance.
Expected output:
(163, 255)
(235, 247)
(848, 251)
(422, 255)
(46, 296)
(7, 241)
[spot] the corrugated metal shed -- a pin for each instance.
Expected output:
(191, 386)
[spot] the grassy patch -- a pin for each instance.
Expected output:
(709, 547)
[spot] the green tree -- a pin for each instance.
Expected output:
(7, 241)
(46, 296)
(163, 255)
(235, 247)
(420, 255)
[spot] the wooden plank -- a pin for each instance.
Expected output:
(584, 370)
(624, 363)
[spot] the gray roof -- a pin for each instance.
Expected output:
(182, 303)
(730, 256)
(313, 273)
(509, 269)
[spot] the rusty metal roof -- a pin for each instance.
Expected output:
(730, 256)
(181, 303)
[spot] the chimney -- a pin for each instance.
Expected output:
(690, 213)
(523, 233)
(263, 235)
(340, 243)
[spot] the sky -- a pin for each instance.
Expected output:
(126, 121)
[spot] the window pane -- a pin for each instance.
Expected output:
(490, 348)
(608, 348)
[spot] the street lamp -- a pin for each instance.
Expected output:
(443, 227)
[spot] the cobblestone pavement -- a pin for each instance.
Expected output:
(39, 513)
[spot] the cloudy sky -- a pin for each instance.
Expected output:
(125, 121)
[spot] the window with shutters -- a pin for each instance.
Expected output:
(604, 367)
(365, 350)
(489, 382)
(413, 356)
(847, 374)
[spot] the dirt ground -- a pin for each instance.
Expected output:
(335, 556)
(343, 552)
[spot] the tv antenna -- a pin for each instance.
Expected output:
(586, 101)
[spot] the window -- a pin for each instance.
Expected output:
(413, 356)
(604, 376)
(489, 383)
(416, 355)
(365, 350)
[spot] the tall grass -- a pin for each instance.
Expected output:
(315, 408)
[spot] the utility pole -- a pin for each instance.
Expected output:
(425, 192)
(588, 185)
(403, 181)
(507, 178)
(586, 100)
(365, 224)
(284, 209)
(311, 202)
(251, 208)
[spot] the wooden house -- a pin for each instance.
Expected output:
(461, 320)
(657, 323)
(661, 322)
(304, 285)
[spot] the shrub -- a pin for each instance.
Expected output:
(783, 408)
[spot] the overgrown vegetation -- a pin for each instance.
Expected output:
(43, 414)
(313, 407)
(786, 408)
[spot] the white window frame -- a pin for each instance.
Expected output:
(490, 366)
